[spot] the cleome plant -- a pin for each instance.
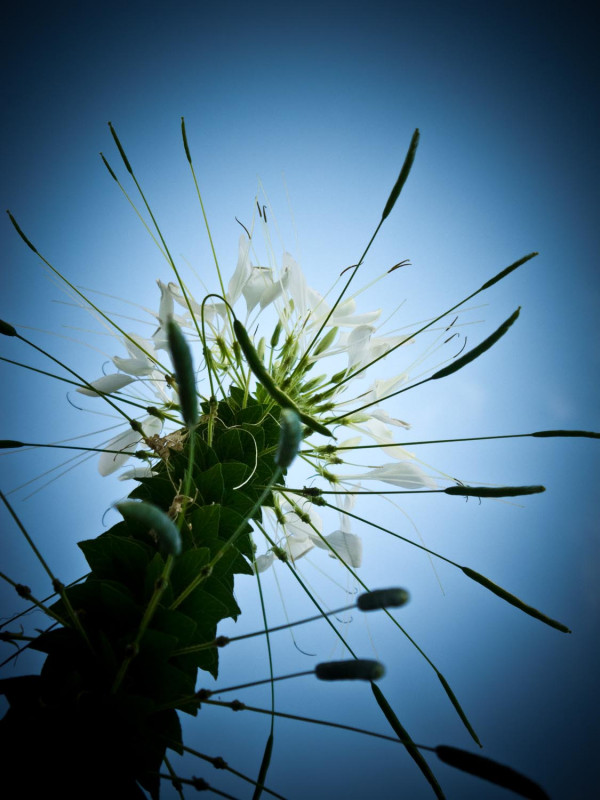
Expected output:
(218, 407)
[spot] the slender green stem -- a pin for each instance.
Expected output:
(235, 705)
(309, 594)
(73, 288)
(10, 443)
(25, 592)
(79, 378)
(57, 585)
(441, 678)
(222, 641)
(158, 230)
(133, 205)
(262, 773)
(220, 763)
(175, 780)
(212, 246)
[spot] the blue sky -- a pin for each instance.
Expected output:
(327, 95)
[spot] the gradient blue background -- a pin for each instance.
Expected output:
(329, 93)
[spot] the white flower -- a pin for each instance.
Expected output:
(126, 443)
(106, 385)
(405, 475)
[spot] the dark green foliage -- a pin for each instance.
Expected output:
(111, 702)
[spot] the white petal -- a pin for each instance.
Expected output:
(403, 474)
(125, 442)
(296, 284)
(260, 283)
(107, 384)
(348, 546)
(137, 346)
(151, 426)
(165, 309)
(297, 546)
(379, 413)
(137, 472)
(264, 562)
(134, 366)
(295, 526)
(242, 271)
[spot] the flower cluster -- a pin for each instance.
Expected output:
(303, 334)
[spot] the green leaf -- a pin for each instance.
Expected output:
(115, 557)
(187, 567)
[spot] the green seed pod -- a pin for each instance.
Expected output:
(6, 329)
(153, 518)
(312, 384)
(494, 491)
(21, 234)
(276, 334)
(382, 598)
(263, 376)
(491, 771)
(507, 271)
(185, 141)
(184, 371)
(406, 167)
(510, 598)
(569, 434)
(477, 351)
(289, 437)
(109, 168)
(362, 669)
(326, 341)
(120, 148)
(261, 348)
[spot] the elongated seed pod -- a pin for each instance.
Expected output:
(153, 518)
(4, 443)
(510, 598)
(184, 372)
(263, 376)
(289, 437)
(406, 167)
(507, 270)
(494, 491)
(185, 141)
(477, 351)
(491, 771)
(569, 434)
(382, 598)
(275, 335)
(120, 148)
(362, 669)
(326, 341)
